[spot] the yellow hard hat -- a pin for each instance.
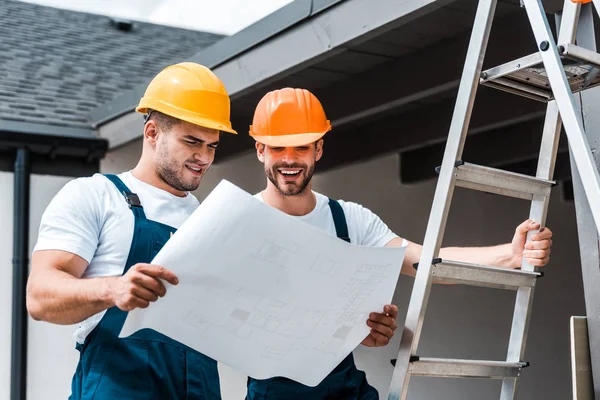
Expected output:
(189, 92)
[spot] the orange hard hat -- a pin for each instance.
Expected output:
(288, 118)
(189, 92)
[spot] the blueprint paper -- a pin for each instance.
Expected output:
(266, 293)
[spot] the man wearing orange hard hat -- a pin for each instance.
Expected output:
(288, 126)
(97, 236)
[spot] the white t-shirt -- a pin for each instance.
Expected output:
(364, 227)
(90, 217)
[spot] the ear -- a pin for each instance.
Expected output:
(151, 132)
(319, 145)
(260, 152)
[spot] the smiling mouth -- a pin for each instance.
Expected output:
(289, 172)
(195, 170)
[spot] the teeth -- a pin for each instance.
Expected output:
(289, 172)
(195, 169)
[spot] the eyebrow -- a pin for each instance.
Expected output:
(198, 140)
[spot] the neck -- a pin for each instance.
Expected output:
(297, 205)
(147, 174)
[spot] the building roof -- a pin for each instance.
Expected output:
(57, 65)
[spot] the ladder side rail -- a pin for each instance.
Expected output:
(588, 237)
(566, 105)
(443, 195)
(539, 208)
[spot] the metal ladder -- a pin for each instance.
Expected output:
(550, 75)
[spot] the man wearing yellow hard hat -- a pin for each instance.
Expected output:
(89, 266)
(288, 126)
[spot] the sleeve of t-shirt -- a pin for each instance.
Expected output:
(370, 229)
(71, 221)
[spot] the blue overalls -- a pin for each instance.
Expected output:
(147, 364)
(345, 382)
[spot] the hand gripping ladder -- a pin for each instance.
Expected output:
(551, 75)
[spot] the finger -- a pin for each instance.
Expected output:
(145, 294)
(380, 328)
(391, 310)
(531, 254)
(386, 322)
(368, 341)
(380, 340)
(543, 234)
(136, 303)
(157, 271)
(383, 320)
(539, 245)
(149, 283)
(527, 225)
(538, 262)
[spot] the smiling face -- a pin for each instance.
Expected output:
(290, 169)
(183, 152)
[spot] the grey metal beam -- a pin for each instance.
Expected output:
(402, 83)
(562, 169)
(562, 172)
(316, 38)
(319, 37)
(424, 127)
(423, 73)
(498, 147)
(408, 83)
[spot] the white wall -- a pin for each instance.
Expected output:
(51, 357)
(462, 322)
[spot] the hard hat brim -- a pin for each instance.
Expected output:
(295, 140)
(192, 119)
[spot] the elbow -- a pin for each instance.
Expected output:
(34, 305)
(35, 311)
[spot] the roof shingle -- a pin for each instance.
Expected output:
(56, 65)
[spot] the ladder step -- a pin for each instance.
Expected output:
(448, 368)
(527, 75)
(501, 182)
(482, 275)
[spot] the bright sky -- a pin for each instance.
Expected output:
(218, 16)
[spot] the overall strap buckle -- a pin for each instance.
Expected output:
(132, 199)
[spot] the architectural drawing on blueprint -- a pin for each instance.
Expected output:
(196, 320)
(325, 265)
(290, 328)
(277, 297)
(273, 253)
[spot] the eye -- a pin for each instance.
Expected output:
(302, 148)
(191, 142)
(213, 146)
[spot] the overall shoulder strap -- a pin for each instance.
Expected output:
(339, 220)
(131, 198)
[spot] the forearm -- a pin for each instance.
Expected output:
(58, 297)
(498, 256)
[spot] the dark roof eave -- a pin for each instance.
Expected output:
(223, 51)
(53, 140)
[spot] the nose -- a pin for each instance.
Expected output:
(289, 154)
(203, 155)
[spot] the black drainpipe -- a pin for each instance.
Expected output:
(18, 370)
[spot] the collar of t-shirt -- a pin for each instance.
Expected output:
(138, 186)
(322, 201)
